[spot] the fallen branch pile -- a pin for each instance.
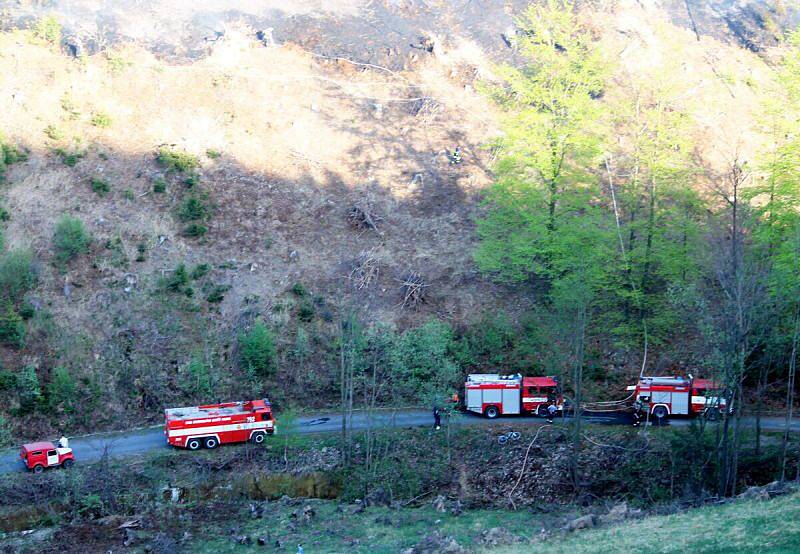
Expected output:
(363, 215)
(365, 270)
(413, 286)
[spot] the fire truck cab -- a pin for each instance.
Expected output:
(493, 395)
(37, 456)
(675, 395)
(214, 424)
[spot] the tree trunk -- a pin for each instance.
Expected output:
(790, 393)
(578, 382)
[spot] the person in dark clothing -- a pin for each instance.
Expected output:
(637, 413)
(437, 418)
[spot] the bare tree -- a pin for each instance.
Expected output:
(741, 279)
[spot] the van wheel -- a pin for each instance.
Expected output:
(258, 438)
(541, 411)
(211, 443)
(193, 444)
(492, 412)
(660, 412)
(68, 463)
(38, 469)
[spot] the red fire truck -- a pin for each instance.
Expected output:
(493, 395)
(36, 456)
(216, 424)
(675, 395)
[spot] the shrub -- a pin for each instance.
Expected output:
(213, 154)
(422, 359)
(53, 132)
(62, 390)
(159, 185)
(199, 379)
(175, 160)
(7, 380)
(5, 215)
(128, 194)
(27, 311)
(141, 250)
(217, 294)
(68, 105)
(298, 289)
(48, 29)
(5, 432)
(101, 119)
(30, 393)
(306, 310)
(200, 271)
(191, 180)
(100, 187)
(257, 353)
(12, 330)
(179, 279)
(70, 239)
(192, 209)
(69, 157)
(195, 230)
(17, 275)
(11, 154)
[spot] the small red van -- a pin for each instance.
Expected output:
(40, 455)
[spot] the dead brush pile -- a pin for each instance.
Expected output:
(499, 478)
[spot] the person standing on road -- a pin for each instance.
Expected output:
(551, 412)
(437, 418)
(63, 442)
(637, 413)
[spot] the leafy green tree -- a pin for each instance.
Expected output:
(12, 329)
(656, 211)
(257, 353)
(776, 199)
(423, 364)
(17, 275)
(550, 112)
(28, 388)
(62, 390)
(199, 378)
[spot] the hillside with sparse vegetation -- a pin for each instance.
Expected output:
(352, 206)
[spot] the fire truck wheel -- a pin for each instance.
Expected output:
(38, 469)
(258, 438)
(211, 443)
(492, 412)
(68, 463)
(193, 444)
(541, 411)
(660, 412)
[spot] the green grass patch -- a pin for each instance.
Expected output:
(101, 119)
(53, 132)
(752, 526)
(69, 157)
(177, 160)
(47, 29)
(100, 186)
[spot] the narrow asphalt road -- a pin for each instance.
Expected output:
(122, 444)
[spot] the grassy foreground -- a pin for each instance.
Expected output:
(746, 526)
